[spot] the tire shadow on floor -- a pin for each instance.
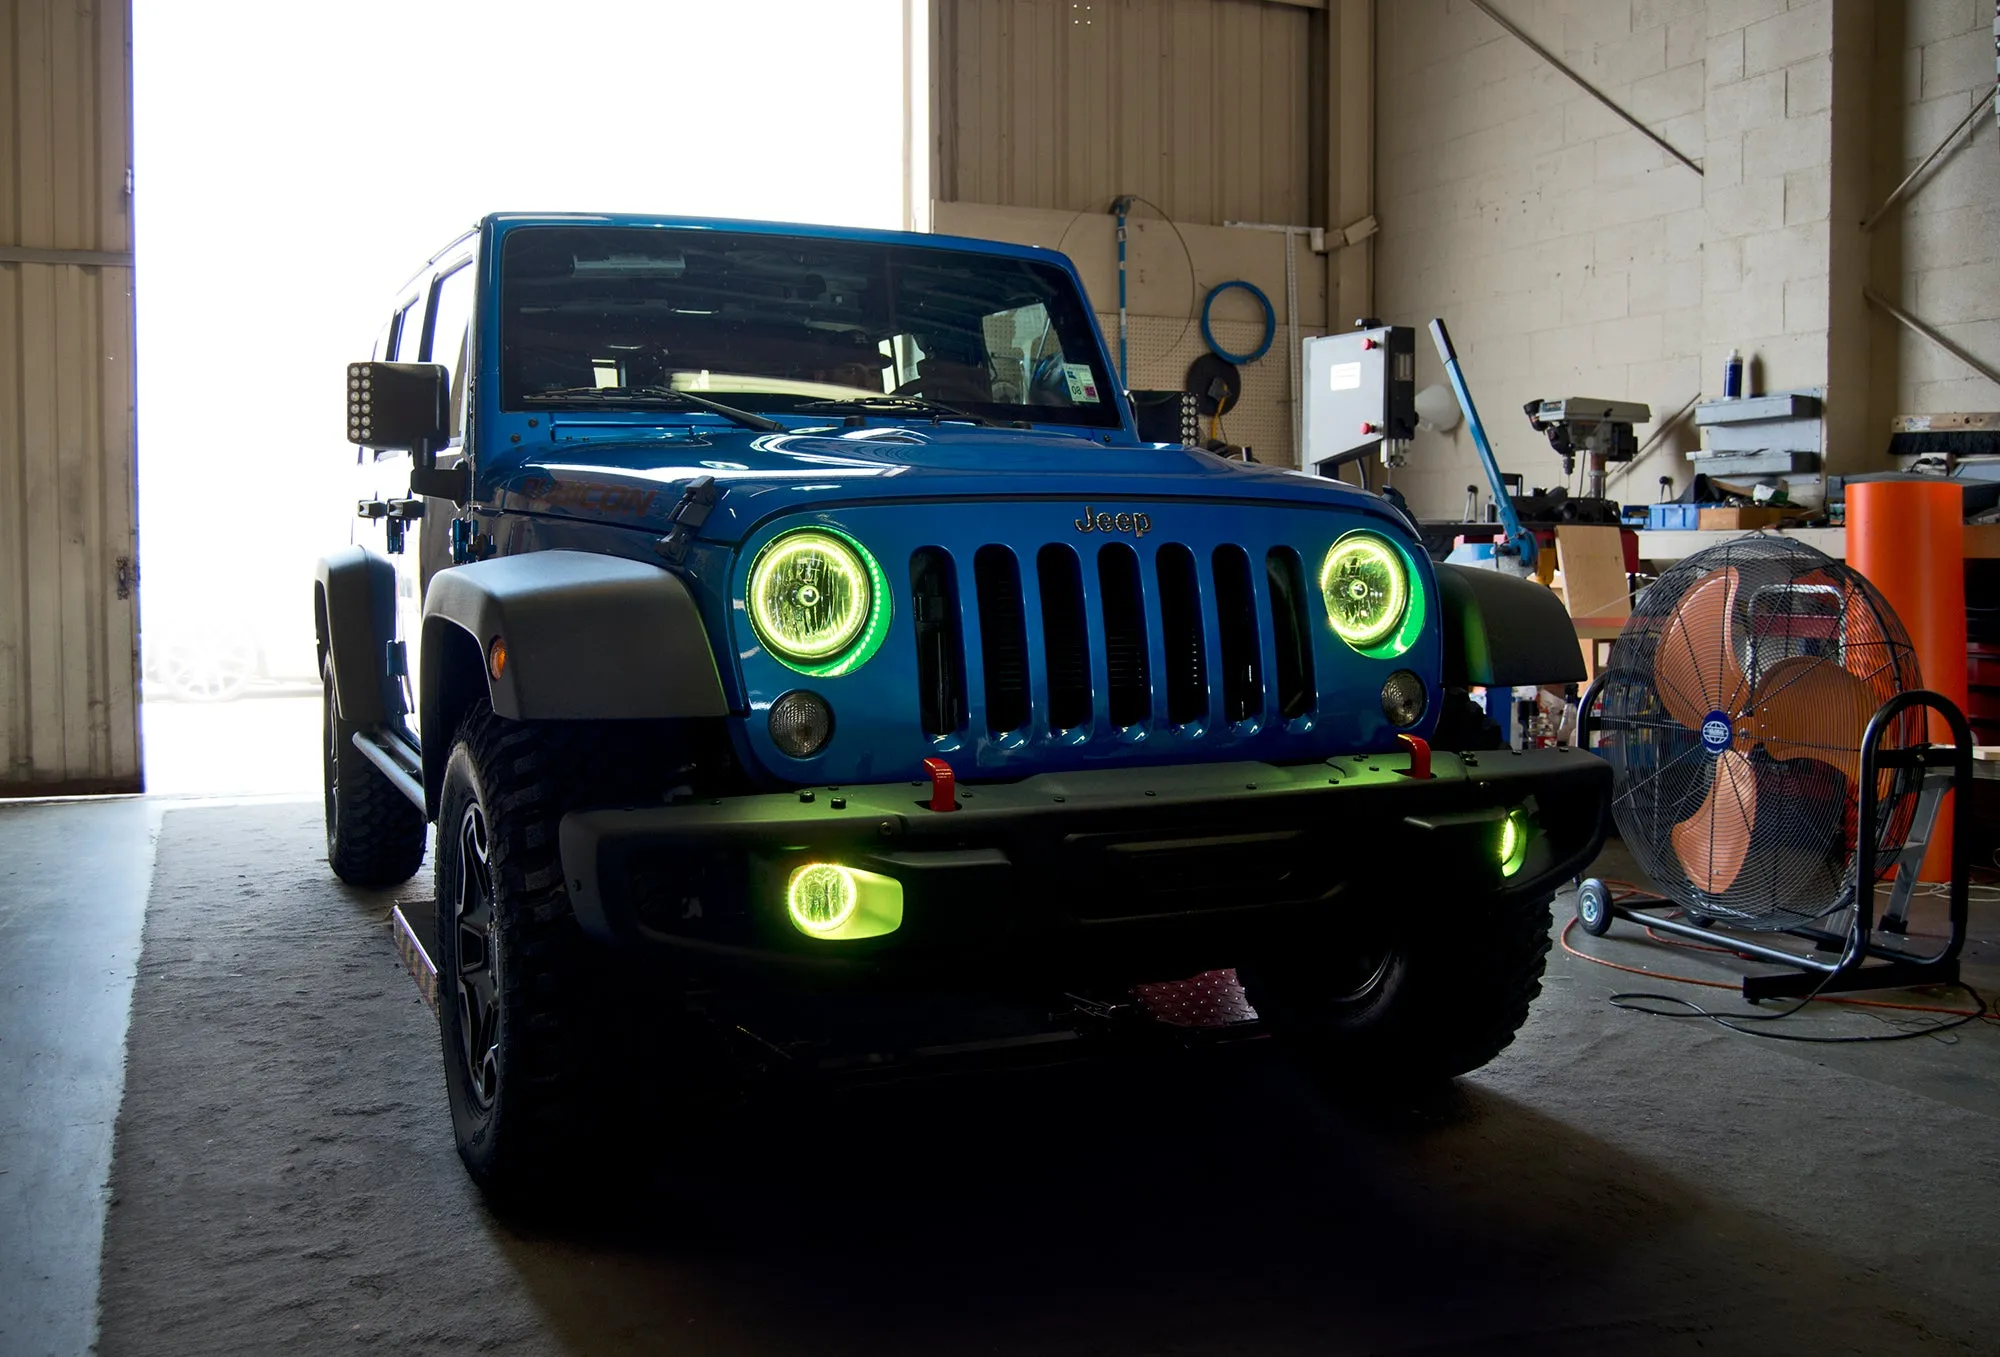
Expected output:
(1209, 1204)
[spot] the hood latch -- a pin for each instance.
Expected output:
(689, 514)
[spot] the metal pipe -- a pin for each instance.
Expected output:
(1748, 949)
(1902, 189)
(1292, 356)
(909, 106)
(1546, 55)
(1294, 380)
(1121, 206)
(1519, 537)
(1916, 326)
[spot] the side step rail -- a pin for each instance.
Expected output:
(416, 957)
(401, 764)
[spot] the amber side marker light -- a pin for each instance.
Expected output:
(496, 657)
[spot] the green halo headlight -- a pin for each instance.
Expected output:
(818, 601)
(1366, 585)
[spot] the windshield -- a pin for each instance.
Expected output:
(794, 324)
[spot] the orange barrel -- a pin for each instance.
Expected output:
(1908, 538)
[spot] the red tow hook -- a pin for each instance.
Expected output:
(1420, 757)
(944, 785)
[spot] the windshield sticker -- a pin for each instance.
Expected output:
(1082, 386)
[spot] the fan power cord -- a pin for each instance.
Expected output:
(1633, 1001)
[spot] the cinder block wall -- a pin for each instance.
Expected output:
(1938, 255)
(1570, 256)
(1563, 249)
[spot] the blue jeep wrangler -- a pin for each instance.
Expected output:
(775, 620)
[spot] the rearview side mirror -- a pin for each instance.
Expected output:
(398, 405)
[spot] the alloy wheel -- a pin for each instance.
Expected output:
(1354, 977)
(330, 752)
(478, 962)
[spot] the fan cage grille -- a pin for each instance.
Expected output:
(1754, 821)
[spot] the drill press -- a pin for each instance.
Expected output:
(1599, 431)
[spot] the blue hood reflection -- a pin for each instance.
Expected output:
(633, 476)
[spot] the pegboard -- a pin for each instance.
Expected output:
(1159, 349)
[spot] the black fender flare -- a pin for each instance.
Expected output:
(1503, 631)
(587, 638)
(355, 611)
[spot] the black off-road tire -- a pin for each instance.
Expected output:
(574, 1046)
(374, 834)
(1442, 997)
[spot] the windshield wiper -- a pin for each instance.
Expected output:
(898, 405)
(651, 395)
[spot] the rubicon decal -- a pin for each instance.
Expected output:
(1136, 524)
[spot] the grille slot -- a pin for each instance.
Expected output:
(940, 642)
(1236, 612)
(1180, 623)
(1003, 638)
(1124, 634)
(1065, 637)
(1294, 679)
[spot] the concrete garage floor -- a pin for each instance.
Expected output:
(73, 881)
(285, 1178)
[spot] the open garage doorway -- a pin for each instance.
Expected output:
(294, 163)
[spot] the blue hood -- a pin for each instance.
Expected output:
(632, 476)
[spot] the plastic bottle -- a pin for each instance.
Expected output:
(1542, 733)
(1732, 376)
(1566, 733)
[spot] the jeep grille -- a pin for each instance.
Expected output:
(1041, 641)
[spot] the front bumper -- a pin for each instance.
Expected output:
(1111, 873)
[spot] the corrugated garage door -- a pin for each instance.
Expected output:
(68, 597)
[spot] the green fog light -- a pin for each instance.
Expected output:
(827, 900)
(822, 897)
(1513, 843)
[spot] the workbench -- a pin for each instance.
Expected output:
(1982, 542)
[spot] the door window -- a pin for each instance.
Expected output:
(410, 329)
(451, 314)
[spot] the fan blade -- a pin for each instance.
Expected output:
(1713, 843)
(1812, 707)
(1695, 665)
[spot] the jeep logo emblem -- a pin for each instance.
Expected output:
(1136, 524)
(1716, 733)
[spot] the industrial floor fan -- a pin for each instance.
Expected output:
(1769, 743)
